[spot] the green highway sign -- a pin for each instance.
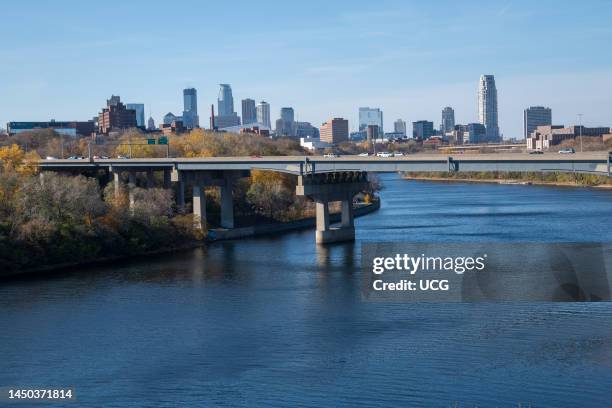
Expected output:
(150, 141)
(163, 140)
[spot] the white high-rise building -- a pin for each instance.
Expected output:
(263, 114)
(487, 107)
(535, 116)
(448, 120)
(370, 116)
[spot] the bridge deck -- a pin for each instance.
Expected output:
(598, 162)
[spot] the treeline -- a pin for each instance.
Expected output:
(52, 219)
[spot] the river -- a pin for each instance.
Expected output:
(278, 321)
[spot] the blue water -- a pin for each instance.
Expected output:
(278, 321)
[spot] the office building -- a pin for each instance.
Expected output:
(249, 111)
(66, 128)
(372, 132)
(190, 117)
(285, 126)
(535, 116)
(115, 116)
(226, 116)
(263, 114)
(171, 117)
(475, 133)
(487, 107)
(370, 116)
(334, 131)
(140, 114)
(305, 130)
(399, 126)
(422, 129)
(448, 120)
(150, 124)
(545, 137)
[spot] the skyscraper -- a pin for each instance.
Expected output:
(249, 112)
(370, 116)
(535, 116)
(263, 114)
(115, 116)
(448, 120)
(151, 123)
(487, 107)
(225, 101)
(190, 108)
(400, 127)
(285, 126)
(139, 108)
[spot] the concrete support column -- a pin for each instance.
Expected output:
(41, 177)
(131, 187)
(116, 174)
(180, 195)
(199, 206)
(347, 213)
(167, 179)
(227, 205)
(150, 179)
(322, 209)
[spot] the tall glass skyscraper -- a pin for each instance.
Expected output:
(249, 111)
(487, 107)
(225, 101)
(535, 116)
(263, 114)
(140, 113)
(370, 116)
(190, 108)
(448, 120)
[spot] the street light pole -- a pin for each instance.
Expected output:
(580, 124)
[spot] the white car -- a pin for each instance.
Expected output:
(567, 150)
(363, 154)
(331, 155)
(398, 154)
(50, 158)
(383, 154)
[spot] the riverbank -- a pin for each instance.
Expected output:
(212, 236)
(580, 182)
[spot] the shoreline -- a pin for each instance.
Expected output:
(508, 182)
(244, 232)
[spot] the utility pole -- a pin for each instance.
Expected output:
(580, 124)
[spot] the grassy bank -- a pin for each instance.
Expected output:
(553, 178)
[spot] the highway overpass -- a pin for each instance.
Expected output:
(323, 179)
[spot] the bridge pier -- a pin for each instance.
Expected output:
(131, 187)
(330, 187)
(199, 206)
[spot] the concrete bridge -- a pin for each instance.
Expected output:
(322, 179)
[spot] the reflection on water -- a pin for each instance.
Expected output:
(278, 321)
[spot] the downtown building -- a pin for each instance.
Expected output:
(422, 129)
(226, 116)
(70, 128)
(116, 116)
(535, 116)
(399, 127)
(370, 116)
(334, 131)
(190, 116)
(447, 124)
(249, 111)
(487, 107)
(285, 125)
(140, 113)
(263, 114)
(545, 137)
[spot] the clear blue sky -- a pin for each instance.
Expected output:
(63, 59)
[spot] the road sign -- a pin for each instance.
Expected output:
(150, 141)
(163, 140)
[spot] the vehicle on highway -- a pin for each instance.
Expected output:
(122, 157)
(76, 158)
(383, 154)
(331, 155)
(536, 152)
(567, 150)
(366, 154)
(101, 157)
(50, 158)
(398, 154)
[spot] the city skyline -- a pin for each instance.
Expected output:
(319, 78)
